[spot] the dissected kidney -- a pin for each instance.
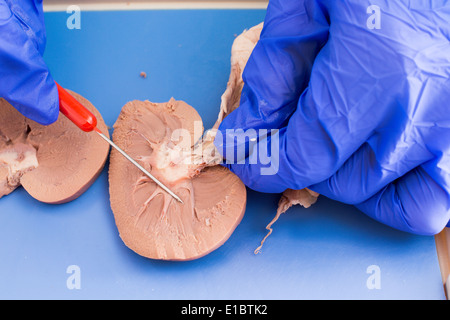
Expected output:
(55, 163)
(150, 221)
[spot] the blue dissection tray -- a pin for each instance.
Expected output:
(329, 251)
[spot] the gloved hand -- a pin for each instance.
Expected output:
(25, 81)
(363, 112)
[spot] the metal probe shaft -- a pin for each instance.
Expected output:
(138, 165)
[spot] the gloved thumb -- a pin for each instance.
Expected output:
(25, 81)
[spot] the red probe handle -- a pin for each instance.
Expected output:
(75, 111)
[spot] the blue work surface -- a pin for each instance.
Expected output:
(329, 251)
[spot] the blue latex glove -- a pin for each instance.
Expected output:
(25, 81)
(363, 113)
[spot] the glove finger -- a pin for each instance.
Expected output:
(364, 174)
(30, 15)
(25, 80)
(279, 67)
(260, 169)
(414, 203)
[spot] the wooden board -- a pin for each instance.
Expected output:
(443, 250)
